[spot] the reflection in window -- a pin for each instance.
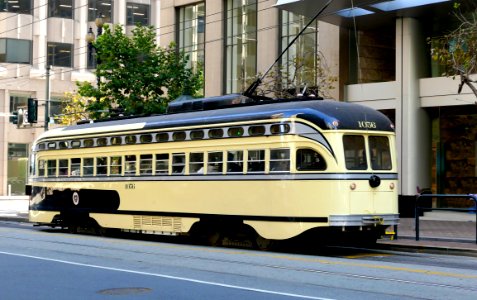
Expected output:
(115, 165)
(379, 152)
(60, 54)
(196, 163)
(60, 9)
(355, 153)
(178, 163)
(162, 163)
(137, 13)
(234, 161)
(235, 131)
(131, 139)
(280, 128)
(215, 163)
(63, 167)
(51, 168)
(16, 6)
(130, 165)
(88, 166)
(101, 8)
(15, 51)
(145, 164)
(309, 160)
(75, 167)
(101, 142)
(256, 161)
(101, 166)
(241, 44)
(280, 160)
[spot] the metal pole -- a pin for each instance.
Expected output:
(416, 212)
(47, 102)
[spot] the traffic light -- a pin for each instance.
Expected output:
(32, 110)
(14, 117)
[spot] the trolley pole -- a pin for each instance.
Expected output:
(47, 102)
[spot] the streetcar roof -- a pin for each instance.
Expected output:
(326, 114)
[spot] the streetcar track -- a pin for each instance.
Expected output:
(268, 266)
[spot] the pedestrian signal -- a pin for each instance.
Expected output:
(32, 110)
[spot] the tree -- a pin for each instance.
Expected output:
(136, 76)
(73, 109)
(457, 50)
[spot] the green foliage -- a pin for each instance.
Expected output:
(137, 76)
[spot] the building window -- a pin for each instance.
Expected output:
(56, 108)
(192, 33)
(60, 9)
(17, 102)
(18, 6)
(17, 168)
(101, 8)
(241, 44)
(137, 14)
(60, 54)
(15, 51)
(299, 62)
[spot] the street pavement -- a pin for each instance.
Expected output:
(442, 231)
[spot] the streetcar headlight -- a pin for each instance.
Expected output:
(352, 186)
(391, 185)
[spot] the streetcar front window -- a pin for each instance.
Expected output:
(41, 167)
(75, 167)
(162, 163)
(379, 152)
(51, 168)
(355, 152)
(196, 163)
(145, 164)
(178, 163)
(101, 165)
(215, 164)
(63, 167)
(234, 161)
(130, 165)
(115, 166)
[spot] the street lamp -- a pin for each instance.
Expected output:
(90, 38)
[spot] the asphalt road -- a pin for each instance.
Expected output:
(50, 264)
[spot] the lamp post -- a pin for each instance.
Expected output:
(90, 38)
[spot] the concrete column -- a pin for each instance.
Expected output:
(412, 122)
(214, 50)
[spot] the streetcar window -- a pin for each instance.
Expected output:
(256, 130)
(256, 161)
(130, 165)
(145, 164)
(146, 138)
(215, 163)
(88, 166)
(100, 142)
(51, 168)
(235, 131)
(41, 167)
(131, 139)
(178, 163)
(63, 144)
(179, 136)
(162, 163)
(116, 140)
(101, 166)
(63, 167)
(309, 160)
(41, 146)
(279, 160)
(355, 154)
(115, 165)
(162, 137)
(196, 163)
(52, 145)
(216, 133)
(379, 153)
(88, 143)
(234, 161)
(75, 167)
(75, 144)
(280, 128)
(197, 135)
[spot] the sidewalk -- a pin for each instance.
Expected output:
(440, 231)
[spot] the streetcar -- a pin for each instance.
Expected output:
(230, 165)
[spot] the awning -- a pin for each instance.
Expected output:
(367, 12)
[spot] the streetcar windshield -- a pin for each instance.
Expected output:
(356, 156)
